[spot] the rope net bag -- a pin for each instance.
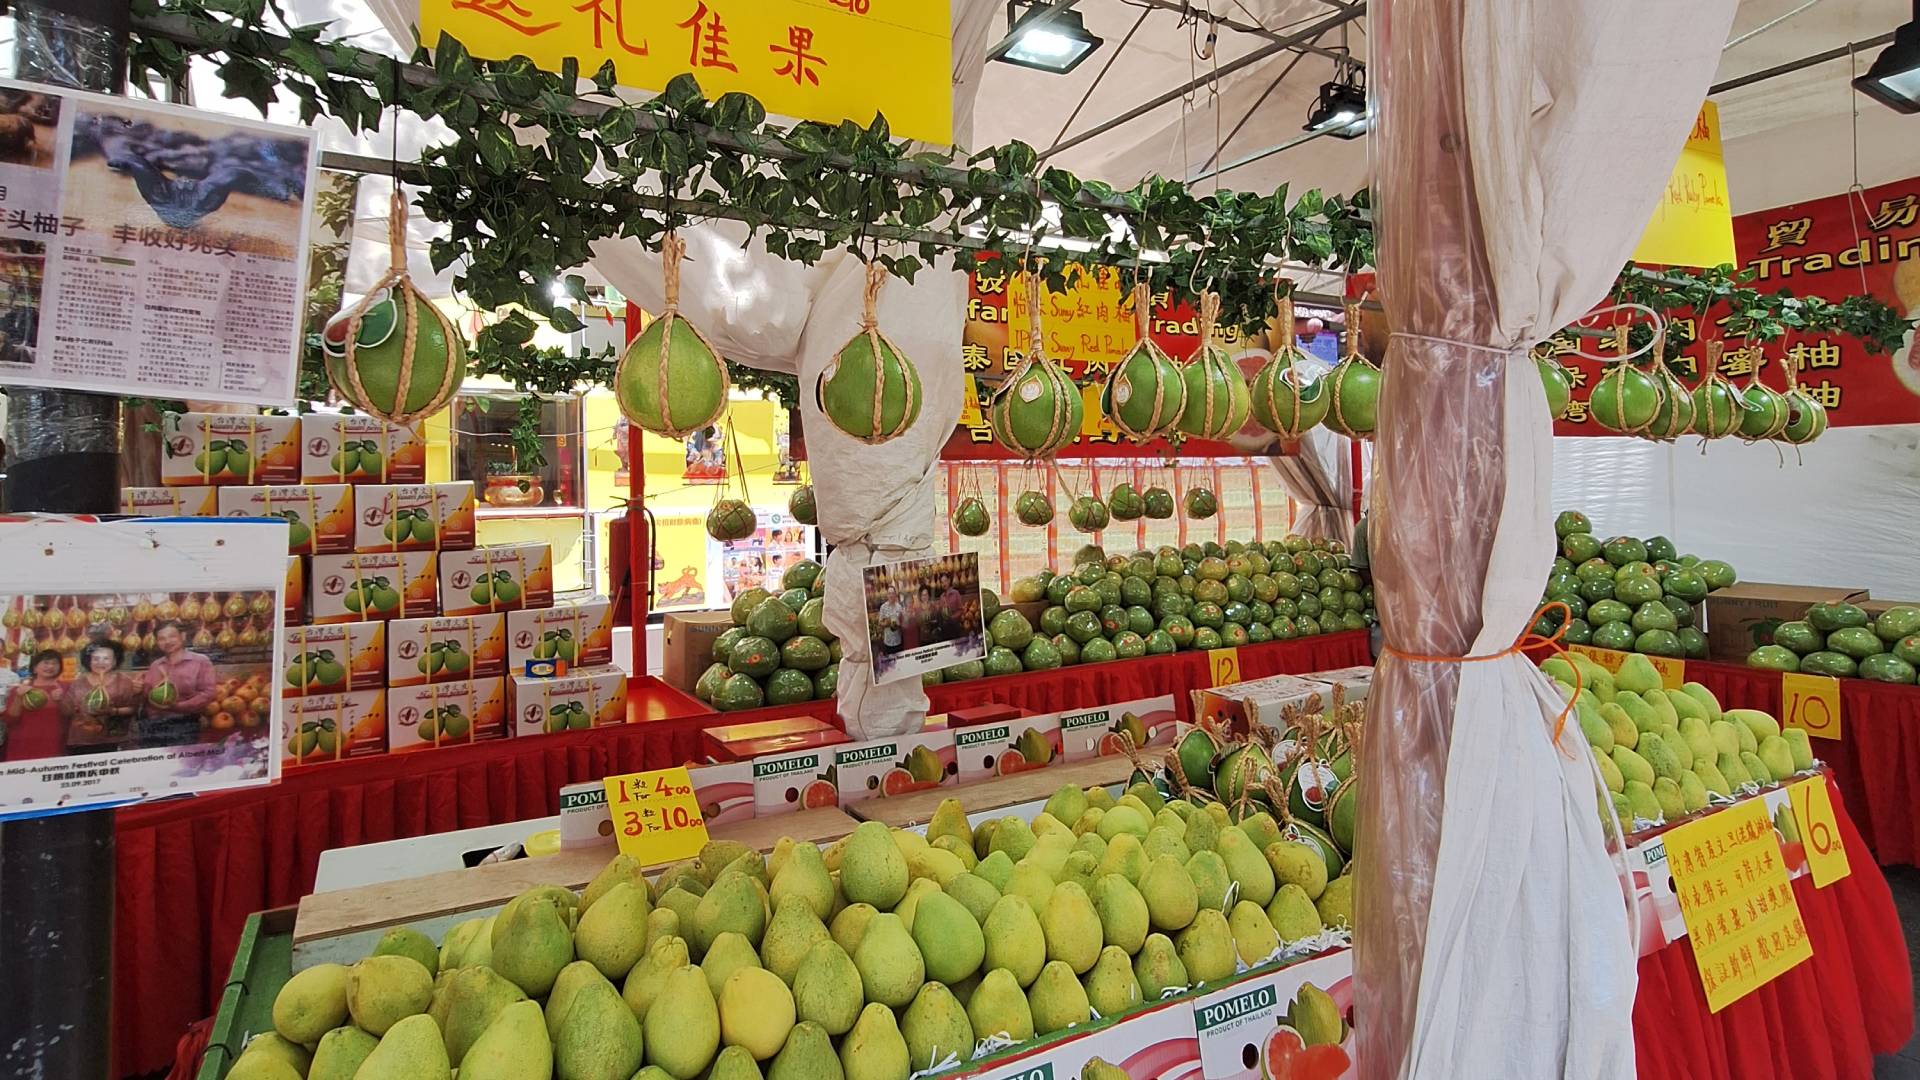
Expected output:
(671, 381)
(1626, 399)
(870, 391)
(1353, 385)
(1282, 402)
(394, 354)
(1217, 396)
(1716, 401)
(1144, 394)
(1037, 409)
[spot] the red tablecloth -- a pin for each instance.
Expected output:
(1823, 1020)
(1876, 763)
(192, 870)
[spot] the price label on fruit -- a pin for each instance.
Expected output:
(1811, 703)
(1819, 833)
(656, 818)
(1223, 666)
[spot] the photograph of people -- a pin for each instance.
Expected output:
(102, 702)
(893, 617)
(176, 723)
(36, 718)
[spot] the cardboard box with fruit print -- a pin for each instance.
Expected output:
(725, 791)
(900, 765)
(319, 517)
(1002, 748)
(796, 780)
(1117, 728)
(446, 714)
(1293, 1022)
(383, 585)
(581, 635)
(572, 703)
(414, 517)
(333, 659)
(503, 578)
(170, 501)
(218, 449)
(446, 648)
(361, 449)
(335, 727)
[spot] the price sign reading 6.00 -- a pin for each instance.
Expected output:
(656, 817)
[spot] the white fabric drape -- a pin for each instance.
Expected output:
(1319, 476)
(1520, 148)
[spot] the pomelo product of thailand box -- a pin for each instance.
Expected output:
(581, 635)
(381, 585)
(1116, 728)
(194, 501)
(795, 780)
(507, 577)
(725, 791)
(334, 727)
(340, 657)
(360, 449)
(319, 517)
(1005, 747)
(446, 714)
(573, 702)
(897, 765)
(413, 517)
(293, 593)
(220, 449)
(446, 648)
(1280, 1015)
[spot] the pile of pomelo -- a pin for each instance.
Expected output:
(1845, 641)
(778, 651)
(1628, 594)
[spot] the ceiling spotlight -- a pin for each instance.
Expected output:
(1341, 110)
(1894, 78)
(1044, 40)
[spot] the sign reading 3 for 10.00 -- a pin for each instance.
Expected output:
(813, 59)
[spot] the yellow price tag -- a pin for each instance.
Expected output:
(1811, 703)
(1606, 658)
(1223, 666)
(1673, 673)
(1819, 832)
(970, 415)
(655, 816)
(1742, 917)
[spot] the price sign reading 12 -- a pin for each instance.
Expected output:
(656, 817)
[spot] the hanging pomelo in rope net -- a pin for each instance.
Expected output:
(1716, 401)
(1037, 409)
(1089, 513)
(1763, 410)
(1283, 401)
(1806, 416)
(1353, 385)
(1145, 394)
(1674, 417)
(1558, 384)
(670, 380)
(1625, 399)
(802, 507)
(1217, 399)
(1125, 504)
(870, 390)
(970, 517)
(394, 354)
(732, 517)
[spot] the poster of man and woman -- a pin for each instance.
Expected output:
(923, 615)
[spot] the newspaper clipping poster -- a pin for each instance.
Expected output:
(923, 615)
(139, 659)
(150, 248)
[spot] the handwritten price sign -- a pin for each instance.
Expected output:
(1813, 813)
(1811, 703)
(1223, 666)
(656, 818)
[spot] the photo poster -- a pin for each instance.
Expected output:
(139, 659)
(706, 457)
(167, 246)
(923, 615)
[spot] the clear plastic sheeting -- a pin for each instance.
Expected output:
(1842, 510)
(1519, 149)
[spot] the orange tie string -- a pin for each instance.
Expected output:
(1527, 640)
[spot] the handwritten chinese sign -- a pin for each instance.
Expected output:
(827, 60)
(1693, 225)
(656, 817)
(1742, 918)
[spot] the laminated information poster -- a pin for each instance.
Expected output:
(151, 249)
(140, 660)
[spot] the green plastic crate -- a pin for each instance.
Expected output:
(262, 964)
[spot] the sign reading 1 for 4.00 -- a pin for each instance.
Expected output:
(813, 59)
(656, 818)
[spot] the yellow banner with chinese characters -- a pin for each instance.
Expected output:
(1737, 900)
(1091, 322)
(1693, 225)
(827, 60)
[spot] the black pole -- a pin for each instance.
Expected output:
(63, 450)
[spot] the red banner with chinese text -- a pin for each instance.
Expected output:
(1845, 245)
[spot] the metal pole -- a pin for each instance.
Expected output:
(57, 873)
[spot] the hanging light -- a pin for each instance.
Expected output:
(1044, 40)
(1894, 78)
(1341, 110)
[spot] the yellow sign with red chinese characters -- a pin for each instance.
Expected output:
(1693, 225)
(1091, 322)
(1742, 918)
(827, 60)
(655, 816)
(1673, 673)
(1811, 703)
(1819, 831)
